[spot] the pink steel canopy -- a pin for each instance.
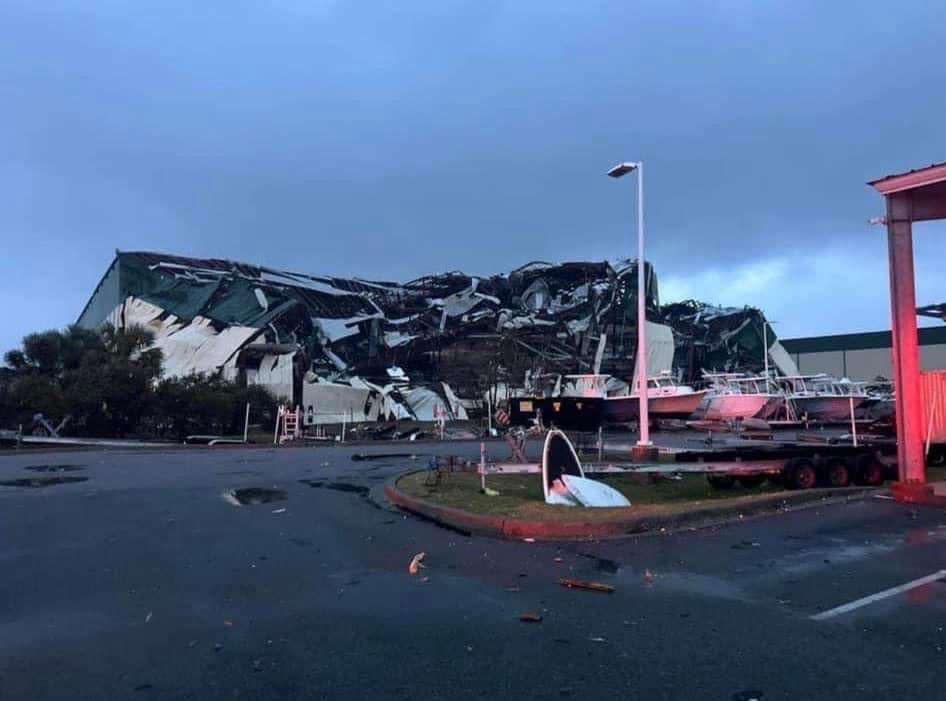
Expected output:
(918, 195)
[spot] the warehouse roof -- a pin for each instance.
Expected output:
(934, 335)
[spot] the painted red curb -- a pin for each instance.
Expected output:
(499, 527)
(455, 518)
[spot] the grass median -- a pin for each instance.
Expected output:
(520, 496)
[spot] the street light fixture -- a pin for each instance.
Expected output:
(620, 170)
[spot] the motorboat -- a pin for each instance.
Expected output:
(824, 398)
(665, 400)
(880, 402)
(732, 396)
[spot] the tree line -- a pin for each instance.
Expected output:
(109, 383)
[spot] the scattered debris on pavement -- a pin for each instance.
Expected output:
(531, 617)
(590, 586)
(417, 563)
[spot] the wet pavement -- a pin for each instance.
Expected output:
(147, 581)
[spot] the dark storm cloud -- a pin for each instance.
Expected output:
(395, 139)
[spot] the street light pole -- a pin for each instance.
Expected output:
(765, 346)
(616, 172)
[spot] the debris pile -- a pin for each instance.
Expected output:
(353, 350)
(721, 339)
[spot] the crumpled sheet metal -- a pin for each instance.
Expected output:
(468, 331)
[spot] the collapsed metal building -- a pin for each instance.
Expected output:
(362, 350)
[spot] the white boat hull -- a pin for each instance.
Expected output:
(831, 409)
(593, 494)
(728, 407)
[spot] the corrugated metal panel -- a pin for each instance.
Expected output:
(933, 398)
(868, 364)
(830, 363)
(928, 335)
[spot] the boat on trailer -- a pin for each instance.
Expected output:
(733, 396)
(665, 400)
(824, 398)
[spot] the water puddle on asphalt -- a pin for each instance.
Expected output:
(248, 496)
(54, 468)
(602, 564)
(359, 457)
(683, 582)
(40, 482)
(338, 486)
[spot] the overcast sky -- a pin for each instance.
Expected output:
(394, 139)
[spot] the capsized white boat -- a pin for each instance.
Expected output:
(559, 458)
(564, 482)
(588, 492)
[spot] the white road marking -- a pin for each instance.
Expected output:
(886, 593)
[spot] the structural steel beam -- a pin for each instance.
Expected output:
(906, 355)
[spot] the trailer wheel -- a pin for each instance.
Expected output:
(800, 474)
(751, 481)
(937, 456)
(721, 481)
(869, 471)
(837, 474)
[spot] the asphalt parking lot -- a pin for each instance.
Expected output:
(142, 581)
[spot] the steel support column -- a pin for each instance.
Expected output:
(906, 355)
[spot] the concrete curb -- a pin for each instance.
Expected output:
(698, 517)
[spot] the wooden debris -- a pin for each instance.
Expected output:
(590, 586)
